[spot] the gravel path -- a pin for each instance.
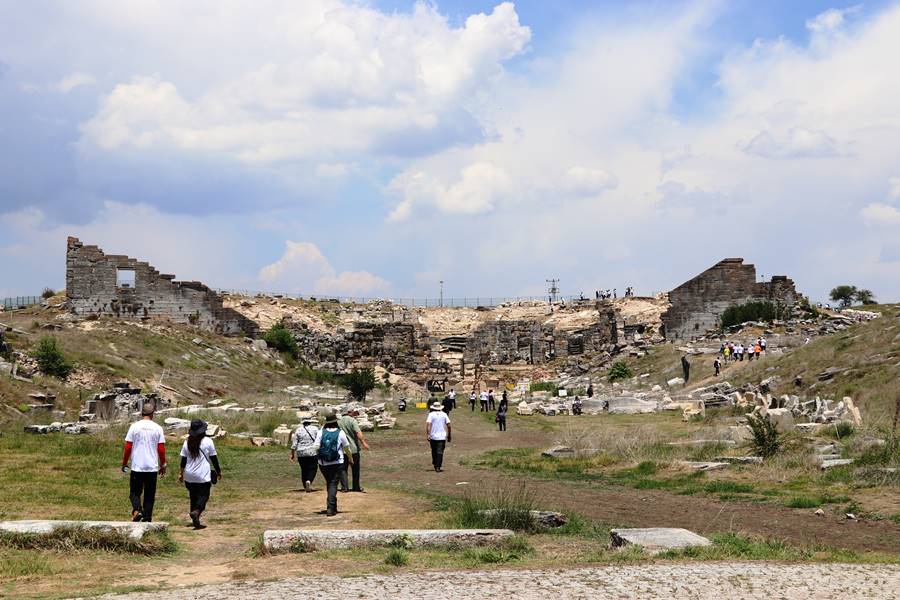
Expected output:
(682, 580)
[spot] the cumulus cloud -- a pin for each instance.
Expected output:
(304, 269)
(346, 79)
(478, 189)
(587, 181)
(880, 214)
(74, 80)
(894, 188)
(797, 142)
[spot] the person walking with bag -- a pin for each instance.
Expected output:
(145, 447)
(303, 447)
(501, 414)
(437, 430)
(330, 445)
(198, 459)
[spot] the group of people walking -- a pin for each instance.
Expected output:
(488, 403)
(736, 352)
(144, 458)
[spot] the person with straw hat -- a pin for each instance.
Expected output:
(437, 430)
(198, 459)
(330, 445)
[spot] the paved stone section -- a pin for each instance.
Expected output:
(694, 581)
(315, 539)
(656, 539)
(135, 531)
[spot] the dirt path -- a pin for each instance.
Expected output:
(407, 465)
(695, 581)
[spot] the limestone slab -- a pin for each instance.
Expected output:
(828, 464)
(656, 539)
(314, 539)
(135, 531)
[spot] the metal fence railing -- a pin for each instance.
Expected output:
(465, 301)
(20, 302)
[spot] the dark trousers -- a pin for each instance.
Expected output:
(143, 484)
(437, 452)
(484, 406)
(491, 404)
(501, 421)
(354, 468)
(199, 493)
(472, 404)
(331, 473)
(308, 467)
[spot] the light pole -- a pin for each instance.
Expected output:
(442, 293)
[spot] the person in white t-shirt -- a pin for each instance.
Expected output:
(198, 459)
(330, 445)
(437, 430)
(145, 446)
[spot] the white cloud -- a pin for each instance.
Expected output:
(894, 188)
(478, 190)
(797, 142)
(587, 181)
(74, 80)
(339, 78)
(880, 214)
(304, 269)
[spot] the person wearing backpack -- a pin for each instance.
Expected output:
(330, 444)
(198, 454)
(303, 448)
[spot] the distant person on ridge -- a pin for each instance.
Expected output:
(686, 368)
(145, 446)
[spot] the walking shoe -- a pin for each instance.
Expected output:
(136, 516)
(307, 486)
(359, 491)
(330, 513)
(195, 519)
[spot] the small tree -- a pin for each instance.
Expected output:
(844, 295)
(619, 370)
(359, 382)
(48, 293)
(766, 440)
(50, 358)
(865, 297)
(280, 338)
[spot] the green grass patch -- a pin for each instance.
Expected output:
(75, 539)
(397, 557)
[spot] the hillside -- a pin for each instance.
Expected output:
(864, 362)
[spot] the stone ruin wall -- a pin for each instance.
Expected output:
(697, 304)
(92, 289)
(409, 349)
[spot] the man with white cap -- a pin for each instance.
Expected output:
(437, 430)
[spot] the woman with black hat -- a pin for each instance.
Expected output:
(198, 459)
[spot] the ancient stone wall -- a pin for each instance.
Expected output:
(698, 304)
(126, 288)
(408, 348)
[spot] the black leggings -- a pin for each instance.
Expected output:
(199, 493)
(308, 467)
(501, 421)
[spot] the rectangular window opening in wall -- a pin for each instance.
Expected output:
(125, 278)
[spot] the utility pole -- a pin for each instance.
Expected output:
(442, 293)
(553, 289)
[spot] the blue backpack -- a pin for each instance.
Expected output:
(328, 449)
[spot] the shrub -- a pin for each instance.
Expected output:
(359, 382)
(48, 293)
(619, 370)
(754, 311)
(841, 430)
(503, 509)
(282, 340)
(865, 297)
(766, 440)
(397, 557)
(545, 386)
(50, 358)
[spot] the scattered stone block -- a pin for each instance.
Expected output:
(656, 539)
(261, 441)
(675, 381)
(704, 466)
(314, 539)
(628, 405)
(740, 460)
(840, 462)
(135, 531)
(547, 519)
(558, 452)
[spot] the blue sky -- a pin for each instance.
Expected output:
(375, 148)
